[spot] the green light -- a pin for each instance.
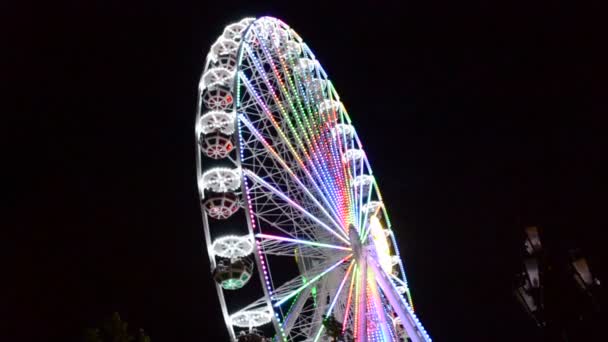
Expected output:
(295, 292)
(232, 284)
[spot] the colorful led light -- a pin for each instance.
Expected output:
(336, 296)
(303, 242)
(317, 277)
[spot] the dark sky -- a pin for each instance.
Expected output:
(478, 118)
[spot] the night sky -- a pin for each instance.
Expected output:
(477, 118)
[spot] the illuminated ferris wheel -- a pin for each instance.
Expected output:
(288, 196)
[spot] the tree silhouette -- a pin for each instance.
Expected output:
(114, 330)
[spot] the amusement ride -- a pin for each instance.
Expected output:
(296, 229)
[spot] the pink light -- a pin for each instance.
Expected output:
(348, 301)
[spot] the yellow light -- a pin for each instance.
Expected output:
(296, 254)
(381, 243)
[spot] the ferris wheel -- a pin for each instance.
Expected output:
(288, 198)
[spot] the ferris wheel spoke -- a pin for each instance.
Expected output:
(360, 330)
(339, 233)
(259, 79)
(311, 281)
(304, 316)
(289, 147)
(335, 150)
(298, 140)
(358, 171)
(297, 312)
(293, 98)
(275, 248)
(336, 296)
(287, 288)
(270, 245)
(305, 320)
(347, 309)
(298, 285)
(363, 217)
(283, 216)
(308, 112)
(302, 242)
(375, 303)
(284, 91)
(287, 223)
(286, 168)
(353, 203)
(360, 202)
